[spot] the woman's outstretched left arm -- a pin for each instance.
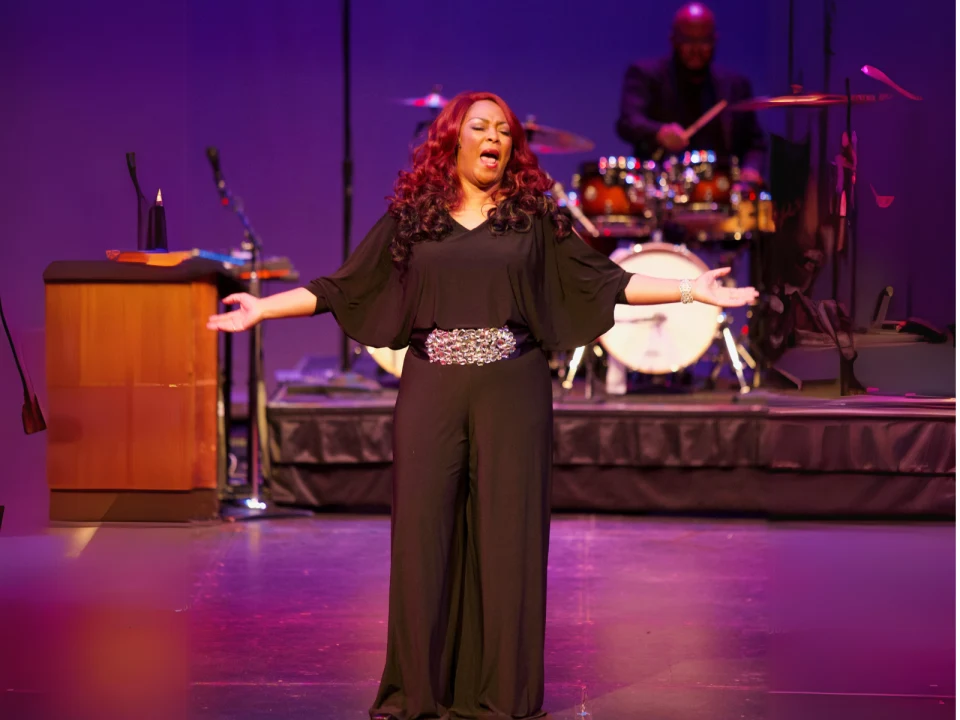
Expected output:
(646, 290)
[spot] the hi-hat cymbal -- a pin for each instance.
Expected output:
(807, 100)
(433, 100)
(547, 140)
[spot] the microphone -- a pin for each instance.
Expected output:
(213, 155)
(141, 200)
(132, 168)
(227, 199)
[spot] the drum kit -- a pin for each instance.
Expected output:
(657, 217)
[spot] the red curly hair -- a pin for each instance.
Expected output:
(424, 196)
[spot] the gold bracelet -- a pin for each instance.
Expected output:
(686, 291)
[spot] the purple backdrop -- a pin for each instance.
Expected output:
(262, 81)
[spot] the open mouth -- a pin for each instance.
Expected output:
(490, 158)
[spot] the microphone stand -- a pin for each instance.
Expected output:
(31, 415)
(345, 363)
(141, 201)
(252, 507)
(345, 378)
(790, 66)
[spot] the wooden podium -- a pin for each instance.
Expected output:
(133, 390)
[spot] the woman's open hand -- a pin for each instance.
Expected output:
(707, 289)
(243, 318)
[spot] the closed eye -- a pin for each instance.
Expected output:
(504, 127)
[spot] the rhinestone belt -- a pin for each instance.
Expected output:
(470, 347)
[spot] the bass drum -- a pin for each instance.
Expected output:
(389, 360)
(660, 339)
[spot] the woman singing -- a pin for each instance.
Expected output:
(477, 271)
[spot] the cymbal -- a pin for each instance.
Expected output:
(807, 100)
(547, 140)
(432, 100)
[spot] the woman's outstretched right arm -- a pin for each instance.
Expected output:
(298, 302)
(291, 303)
(360, 294)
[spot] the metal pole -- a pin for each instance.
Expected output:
(347, 168)
(790, 67)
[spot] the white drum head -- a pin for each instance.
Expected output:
(660, 339)
(389, 360)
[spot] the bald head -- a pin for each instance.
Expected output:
(693, 35)
(694, 18)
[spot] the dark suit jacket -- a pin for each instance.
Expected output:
(649, 100)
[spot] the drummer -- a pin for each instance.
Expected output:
(662, 97)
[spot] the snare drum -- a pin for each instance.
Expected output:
(699, 181)
(706, 204)
(747, 213)
(660, 339)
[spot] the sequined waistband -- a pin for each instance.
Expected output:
(471, 346)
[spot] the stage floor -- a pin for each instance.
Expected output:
(768, 453)
(673, 619)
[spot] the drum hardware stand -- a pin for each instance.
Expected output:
(735, 351)
(561, 196)
(846, 229)
(587, 354)
(567, 383)
(252, 507)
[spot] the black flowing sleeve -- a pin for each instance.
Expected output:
(366, 295)
(581, 288)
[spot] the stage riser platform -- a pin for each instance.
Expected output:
(817, 458)
(366, 488)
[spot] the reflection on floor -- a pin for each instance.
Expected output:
(648, 618)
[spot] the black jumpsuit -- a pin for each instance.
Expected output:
(472, 455)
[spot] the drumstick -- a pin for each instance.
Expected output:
(704, 119)
(697, 125)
